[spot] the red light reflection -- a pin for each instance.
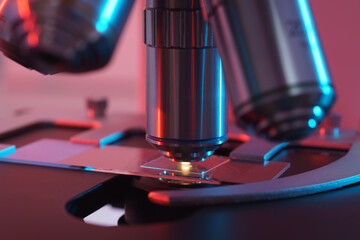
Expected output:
(239, 137)
(29, 22)
(91, 113)
(33, 38)
(81, 124)
(159, 198)
(24, 8)
(2, 5)
(159, 101)
(158, 127)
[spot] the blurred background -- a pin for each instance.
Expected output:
(123, 80)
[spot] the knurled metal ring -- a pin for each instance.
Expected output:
(176, 29)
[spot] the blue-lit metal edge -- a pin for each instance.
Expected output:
(111, 138)
(222, 103)
(274, 151)
(112, 10)
(45, 164)
(315, 46)
(7, 151)
(106, 15)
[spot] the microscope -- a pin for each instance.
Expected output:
(264, 55)
(185, 170)
(267, 55)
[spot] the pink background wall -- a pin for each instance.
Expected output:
(338, 24)
(123, 80)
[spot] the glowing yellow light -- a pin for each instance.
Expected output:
(185, 166)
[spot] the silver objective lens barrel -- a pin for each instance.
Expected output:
(62, 36)
(275, 70)
(186, 96)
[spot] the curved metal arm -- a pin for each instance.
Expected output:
(340, 173)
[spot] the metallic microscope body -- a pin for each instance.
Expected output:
(275, 70)
(62, 36)
(274, 67)
(186, 96)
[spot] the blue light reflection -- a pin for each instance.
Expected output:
(221, 103)
(318, 112)
(312, 123)
(8, 151)
(314, 45)
(107, 14)
(111, 138)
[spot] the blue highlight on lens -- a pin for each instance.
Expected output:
(327, 90)
(318, 112)
(111, 138)
(314, 42)
(107, 14)
(222, 102)
(89, 168)
(312, 123)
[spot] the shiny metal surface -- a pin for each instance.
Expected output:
(174, 4)
(59, 35)
(53, 149)
(186, 96)
(275, 70)
(168, 28)
(257, 150)
(343, 172)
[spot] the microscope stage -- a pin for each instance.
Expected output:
(136, 174)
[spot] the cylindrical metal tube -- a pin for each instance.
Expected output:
(275, 70)
(186, 96)
(60, 35)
